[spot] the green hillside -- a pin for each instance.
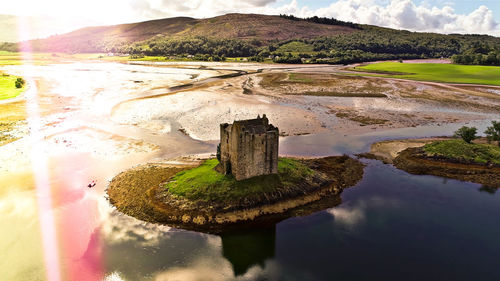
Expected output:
(287, 39)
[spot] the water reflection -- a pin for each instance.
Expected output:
(393, 225)
(244, 249)
(326, 144)
(488, 189)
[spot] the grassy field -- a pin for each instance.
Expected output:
(296, 47)
(448, 73)
(16, 58)
(7, 88)
(458, 149)
(204, 183)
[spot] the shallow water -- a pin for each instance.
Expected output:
(391, 226)
(335, 143)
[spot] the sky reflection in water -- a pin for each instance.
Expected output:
(391, 226)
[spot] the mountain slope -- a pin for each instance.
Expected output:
(105, 38)
(262, 27)
(230, 26)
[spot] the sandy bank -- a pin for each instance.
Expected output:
(414, 161)
(408, 155)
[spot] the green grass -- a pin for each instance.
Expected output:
(299, 78)
(7, 88)
(448, 73)
(17, 58)
(204, 183)
(458, 149)
(296, 47)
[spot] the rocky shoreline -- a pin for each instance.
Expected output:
(140, 193)
(408, 155)
(414, 161)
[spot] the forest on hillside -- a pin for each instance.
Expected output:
(367, 43)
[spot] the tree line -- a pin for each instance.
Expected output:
(198, 45)
(322, 20)
(479, 54)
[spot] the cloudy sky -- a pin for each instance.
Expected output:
(445, 16)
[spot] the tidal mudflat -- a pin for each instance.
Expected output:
(79, 122)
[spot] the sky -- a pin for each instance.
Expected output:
(47, 17)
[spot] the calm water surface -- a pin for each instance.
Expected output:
(391, 226)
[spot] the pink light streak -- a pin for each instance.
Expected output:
(40, 168)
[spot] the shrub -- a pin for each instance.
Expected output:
(136, 56)
(493, 132)
(468, 134)
(19, 83)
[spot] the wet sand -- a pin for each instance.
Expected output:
(90, 121)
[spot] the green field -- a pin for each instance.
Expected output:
(296, 47)
(204, 183)
(448, 73)
(458, 149)
(7, 88)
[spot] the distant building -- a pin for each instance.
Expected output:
(249, 148)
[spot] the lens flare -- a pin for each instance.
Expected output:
(39, 164)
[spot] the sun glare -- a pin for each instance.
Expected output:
(39, 164)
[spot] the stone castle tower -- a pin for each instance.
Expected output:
(249, 148)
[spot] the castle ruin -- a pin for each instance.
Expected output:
(249, 148)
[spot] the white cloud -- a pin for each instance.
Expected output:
(404, 14)
(351, 216)
(348, 217)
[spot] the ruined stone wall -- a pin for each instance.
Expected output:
(272, 142)
(245, 154)
(225, 130)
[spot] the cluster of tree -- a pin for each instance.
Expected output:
(375, 43)
(468, 134)
(355, 56)
(288, 58)
(322, 20)
(19, 83)
(492, 58)
(199, 45)
(9, 47)
(383, 41)
(479, 54)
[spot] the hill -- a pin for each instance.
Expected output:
(286, 39)
(106, 38)
(234, 26)
(263, 28)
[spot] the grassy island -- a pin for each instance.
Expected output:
(450, 158)
(195, 196)
(204, 183)
(7, 87)
(460, 150)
